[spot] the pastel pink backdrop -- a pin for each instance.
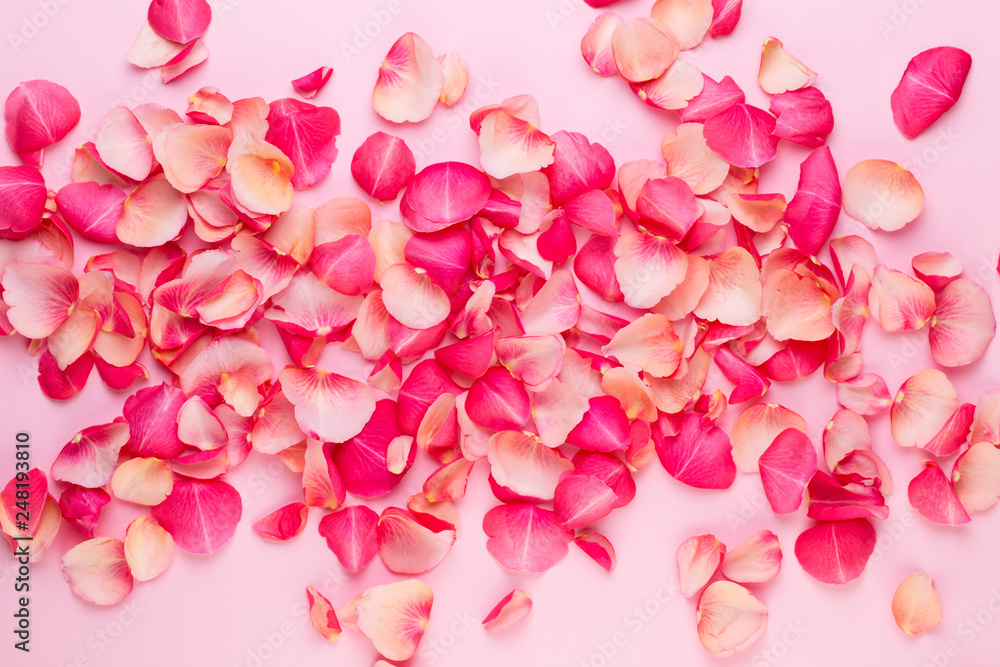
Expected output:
(244, 605)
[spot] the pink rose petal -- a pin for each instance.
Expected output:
(96, 570)
(931, 85)
(38, 113)
(730, 618)
(201, 516)
(410, 81)
(755, 560)
(932, 494)
(525, 538)
(836, 552)
(882, 195)
(698, 559)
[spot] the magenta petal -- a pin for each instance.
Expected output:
(525, 538)
(307, 134)
(715, 98)
(92, 209)
(594, 266)
(283, 523)
(38, 114)
(750, 383)
(445, 256)
(831, 500)
(785, 469)
(441, 195)
(836, 552)
(933, 495)
(609, 469)
(497, 401)
(62, 385)
(363, 460)
(813, 211)
(742, 135)
(152, 414)
(22, 201)
(725, 17)
(581, 500)
(803, 116)
(179, 20)
(351, 535)
(699, 455)
(382, 166)
(955, 432)
(578, 166)
(201, 516)
(31, 504)
(931, 85)
(81, 507)
(604, 427)
(421, 388)
(308, 86)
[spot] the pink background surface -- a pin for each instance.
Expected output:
(245, 604)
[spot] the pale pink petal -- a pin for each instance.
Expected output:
(151, 50)
(410, 81)
(395, 616)
(882, 195)
(221, 358)
(201, 516)
(328, 406)
(756, 428)
(510, 145)
(780, 71)
(797, 308)
(733, 295)
(742, 134)
(89, 459)
(321, 614)
(648, 344)
(149, 549)
(976, 477)
(409, 547)
(144, 481)
(534, 360)
(865, 395)
(931, 85)
(933, 495)
(153, 214)
(699, 454)
(900, 303)
(786, 466)
(308, 308)
(38, 113)
(755, 560)
(596, 44)
(690, 159)
(97, 571)
(456, 78)
(40, 297)
(556, 411)
(921, 408)
(643, 49)
(351, 534)
(673, 89)
(412, 297)
(730, 618)
(937, 269)
(963, 324)
(124, 144)
(282, 524)
(525, 538)
(308, 86)
(511, 609)
(443, 194)
(307, 134)
(836, 552)
(554, 308)
(687, 21)
(813, 211)
(421, 388)
(192, 155)
(698, 559)
(261, 176)
(986, 424)
(843, 434)
(861, 466)
(915, 604)
(648, 268)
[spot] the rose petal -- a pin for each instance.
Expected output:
(786, 466)
(410, 81)
(730, 618)
(836, 552)
(698, 559)
(96, 570)
(931, 85)
(757, 559)
(932, 494)
(882, 195)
